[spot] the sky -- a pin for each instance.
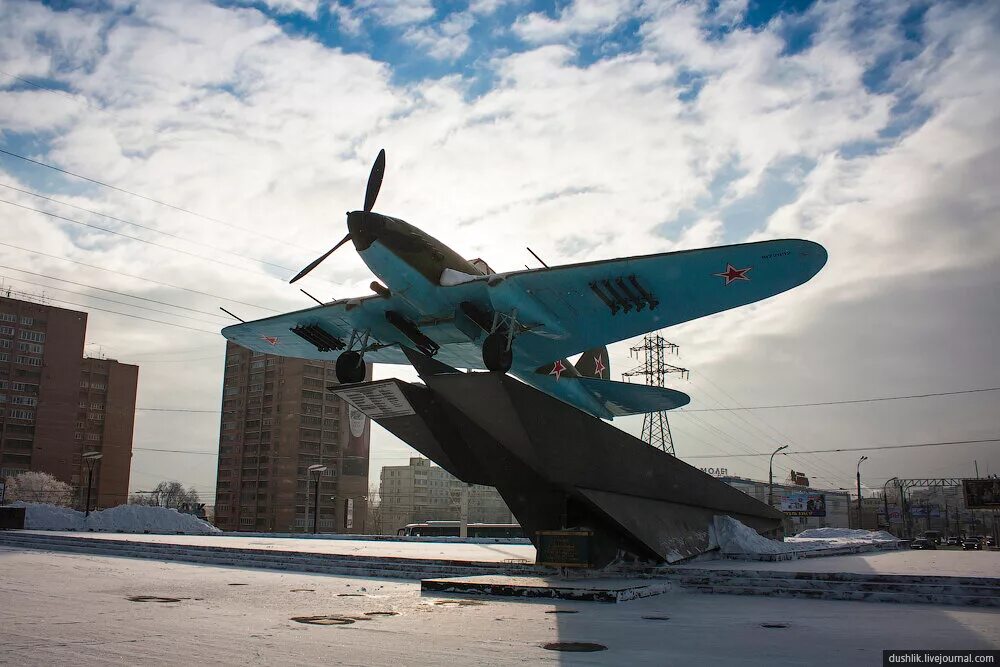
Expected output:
(224, 141)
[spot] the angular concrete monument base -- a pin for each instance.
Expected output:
(557, 468)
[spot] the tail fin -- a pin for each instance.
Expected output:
(595, 364)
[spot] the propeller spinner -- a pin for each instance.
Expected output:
(371, 194)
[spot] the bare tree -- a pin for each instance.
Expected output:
(373, 522)
(39, 487)
(167, 494)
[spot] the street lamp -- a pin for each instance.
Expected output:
(770, 476)
(319, 470)
(91, 458)
(863, 458)
(885, 503)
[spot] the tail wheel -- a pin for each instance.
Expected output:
(350, 368)
(496, 355)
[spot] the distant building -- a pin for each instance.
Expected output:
(421, 492)
(837, 503)
(277, 420)
(56, 404)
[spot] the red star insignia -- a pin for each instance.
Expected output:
(599, 366)
(732, 273)
(273, 340)
(557, 369)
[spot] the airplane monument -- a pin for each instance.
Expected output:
(541, 441)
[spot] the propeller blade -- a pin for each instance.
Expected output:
(316, 262)
(375, 181)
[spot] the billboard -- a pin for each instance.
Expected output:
(982, 494)
(926, 511)
(804, 504)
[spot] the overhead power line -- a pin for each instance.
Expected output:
(136, 238)
(858, 400)
(150, 199)
(146, 227)
(129, 275)
(851, 449)
(110, 291)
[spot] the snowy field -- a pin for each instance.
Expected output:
(76, 609)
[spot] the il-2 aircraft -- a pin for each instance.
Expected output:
(528, 322)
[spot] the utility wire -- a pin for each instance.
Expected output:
(146, 227)
(137, 317)
(858, 400)
(110, 291)
(120, 303)
(136, 238)
(150, 199)
(129, 275)
(857, 449)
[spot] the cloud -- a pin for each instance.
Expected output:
(446, 41)
(578, 17)
(396, 13)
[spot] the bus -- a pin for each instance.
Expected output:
(451, 529)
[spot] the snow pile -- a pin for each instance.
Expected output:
(845, 534)
(733, 537)
(121, 519)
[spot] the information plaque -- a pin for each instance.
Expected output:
(564, 548)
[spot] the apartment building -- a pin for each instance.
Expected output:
(277, 420)
(55, 404)
(421, 492)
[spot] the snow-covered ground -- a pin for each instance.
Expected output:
(451, 550)
(74, 609)
(735, 538)
(121, 519)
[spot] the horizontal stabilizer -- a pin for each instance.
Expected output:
(625, 398)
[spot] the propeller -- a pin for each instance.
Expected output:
(371, 194)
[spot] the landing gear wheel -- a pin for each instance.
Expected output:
(496, 355)
(350, 368)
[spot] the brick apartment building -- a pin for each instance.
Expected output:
(277, 420)
(56, 404)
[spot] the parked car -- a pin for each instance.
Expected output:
(953, 542)
(990, 542)
(972, 544)
(932, 536)
(921, 543)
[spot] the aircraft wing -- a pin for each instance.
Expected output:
(582, 306)
(275, 335)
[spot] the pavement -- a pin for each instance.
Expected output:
(60, 608)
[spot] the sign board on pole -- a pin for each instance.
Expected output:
(982, 494)
(804, 504)
(349, 513)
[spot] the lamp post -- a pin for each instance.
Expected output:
(770, 476)
(863, 458)
(91, 459)
(885, 503)
(319, 470)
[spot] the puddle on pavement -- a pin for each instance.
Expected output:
(323, 620)
(574, 647)
(302, 590)
(774, 625)
(656, 618)
(350, 595)
(237, 584)
(381, 613)
(153, 598)
(562, 611)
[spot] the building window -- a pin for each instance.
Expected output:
(27, 415)
(29, 361)
(24, 400)
(246, 520)
(5, 344)
(30, 348)
(98, 385)
(7, 331)
(78, 436)
(8, 317)
(93, 437)
(33, 336)
(26, 321)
